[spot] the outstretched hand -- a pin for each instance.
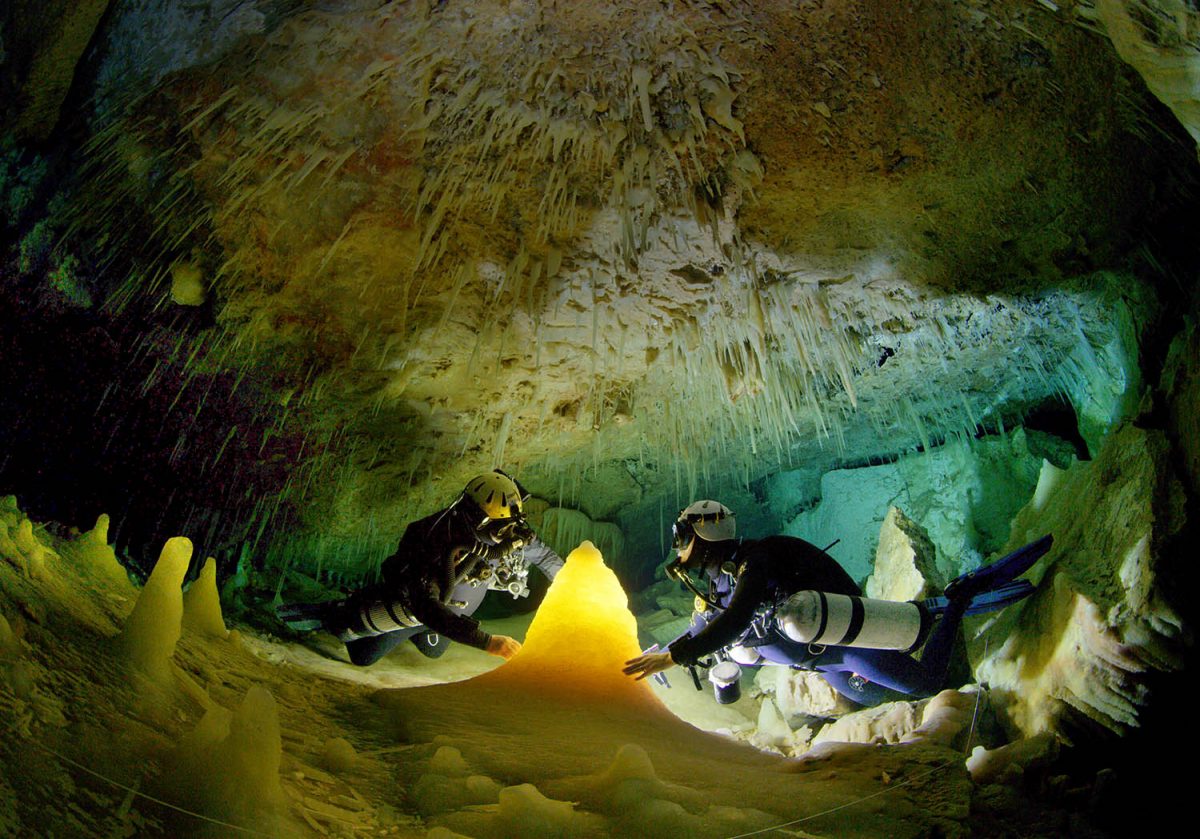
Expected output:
(648, 664)
(503, 646)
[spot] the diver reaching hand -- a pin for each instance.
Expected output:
(782, 600)
(438, 576)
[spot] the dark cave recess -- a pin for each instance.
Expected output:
(94, 421)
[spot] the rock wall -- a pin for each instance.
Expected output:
(41, 48)
(905, 561)
(1181, 392)
(1104, 613)
(1161, 40)
(964, 494)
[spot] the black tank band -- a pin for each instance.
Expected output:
(857, 615)
(824, 616)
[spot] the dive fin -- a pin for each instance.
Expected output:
(988, 601)
(1004, 570)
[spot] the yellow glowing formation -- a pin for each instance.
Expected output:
(582, 634)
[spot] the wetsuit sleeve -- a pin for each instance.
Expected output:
(425, 604)
(728, 626)
(540, 554)
(421, 572)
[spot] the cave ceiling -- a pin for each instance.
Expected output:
(631, 251)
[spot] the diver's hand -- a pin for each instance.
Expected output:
(503, 646)
(648, 664)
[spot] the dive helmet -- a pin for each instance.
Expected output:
(712, 521)
(708, 522)
(496, 494)
(497, 500)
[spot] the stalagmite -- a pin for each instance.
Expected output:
(202, 604)
(92, 551)
(360, 194)
(589, 751)
(151, 631)
(227, 767)
(31, 548)
(585, 653)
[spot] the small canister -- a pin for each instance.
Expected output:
(725, 677)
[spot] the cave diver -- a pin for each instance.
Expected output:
(784, 601)
(438, 576)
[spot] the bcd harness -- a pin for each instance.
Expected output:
(763, 628)
(484, 565)
(496, 567)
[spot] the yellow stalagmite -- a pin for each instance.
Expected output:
(580, 638)
(153, 628)
(227, 768)
(91, 550)
(202, 605)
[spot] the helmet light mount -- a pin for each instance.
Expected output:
(498, 499)
(708, 521)
(682, 533)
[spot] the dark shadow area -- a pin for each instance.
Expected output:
(97, 418)
(1057, 417)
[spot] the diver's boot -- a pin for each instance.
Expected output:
(1002, 571)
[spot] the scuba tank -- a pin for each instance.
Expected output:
(839, 620)
(370, 616)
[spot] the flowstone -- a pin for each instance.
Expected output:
(905, 561)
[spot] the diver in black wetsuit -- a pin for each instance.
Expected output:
(437, 577)
(782, 600)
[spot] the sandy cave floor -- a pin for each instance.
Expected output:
(93, 746)
(323, 655)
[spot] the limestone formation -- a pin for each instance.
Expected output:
(148, 638)
(1008, 763)
(227, 768)
(202, 606)
(456, 239)
(1160, 38)
(281, 277)
(905, 561)
(55, 37)
(800, 694)
(1101, 616)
